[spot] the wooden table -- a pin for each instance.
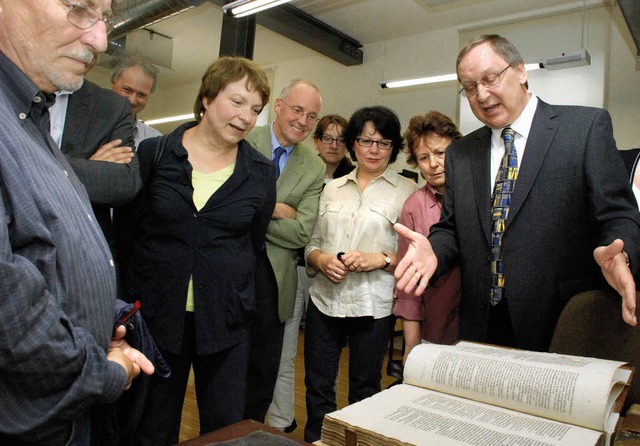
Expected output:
(235, 431)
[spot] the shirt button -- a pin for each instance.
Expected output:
(111, 263)
(22, 116)
(37, 99)
(195, 215)
(66, 173)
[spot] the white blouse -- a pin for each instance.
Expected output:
(348, 220)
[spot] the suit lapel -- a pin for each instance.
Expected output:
(480, 168)
(78, 116)
(293, 171)
(543, 130)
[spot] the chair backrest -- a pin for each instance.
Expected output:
(591, 324)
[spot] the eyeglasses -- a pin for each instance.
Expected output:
(85, 17)
(383, 144)
(298, 112)
(470, 89)
(328, 140)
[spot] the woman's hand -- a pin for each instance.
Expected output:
(329, 265)
(362, 262)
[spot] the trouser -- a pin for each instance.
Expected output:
(500, 330)
(266, 343)
(324, 339)
(220, 383)
(282, 409)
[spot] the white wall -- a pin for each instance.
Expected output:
(554, 35)
(611, 81)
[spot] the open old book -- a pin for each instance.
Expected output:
(475, 394)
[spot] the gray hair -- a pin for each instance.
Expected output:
(133, 61)
(287, 88)
(503, 48)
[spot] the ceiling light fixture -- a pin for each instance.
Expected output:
(242, 8)
(439, 79)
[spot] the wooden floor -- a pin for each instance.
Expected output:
(190, 423)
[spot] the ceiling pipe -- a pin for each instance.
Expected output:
(137, 14)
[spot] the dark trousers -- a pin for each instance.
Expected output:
(220, 382)
(266, 342)
(500, 330)
(324, 339)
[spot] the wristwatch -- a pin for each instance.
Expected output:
(387, 259)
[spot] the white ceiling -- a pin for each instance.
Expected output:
(196, 32)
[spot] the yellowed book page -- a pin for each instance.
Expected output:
(570, 389)
(418, 416)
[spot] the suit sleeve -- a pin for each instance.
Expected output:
(443, 234)
(295, 233)
(611, 199)
(111, 184)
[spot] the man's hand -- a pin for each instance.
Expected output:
(282, 211)
(615, 269)
(419, 263)
(113, 152)
(132, 360)
(131, 368)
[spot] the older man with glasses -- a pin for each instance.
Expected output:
(536, 208)
(301, 177)
(59, 353)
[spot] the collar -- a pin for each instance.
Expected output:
(389, 175)
(23, 90)
(522, 125)
(275, 144)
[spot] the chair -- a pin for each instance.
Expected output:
(591, 324)
(394, 365)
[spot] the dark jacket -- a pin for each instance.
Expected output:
(216, 246)
(572, 195)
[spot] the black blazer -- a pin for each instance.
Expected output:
(96, 116)
(217, 246)
(571, 196)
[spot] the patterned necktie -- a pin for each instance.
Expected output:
(276, 160)
(505, 184)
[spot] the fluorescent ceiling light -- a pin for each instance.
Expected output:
(242, 8)
(169, 119)
(437, 79)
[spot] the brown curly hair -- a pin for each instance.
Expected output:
(420, 126)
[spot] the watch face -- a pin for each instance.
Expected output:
(387, 259)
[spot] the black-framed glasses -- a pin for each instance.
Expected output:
(383, 144)
(490, 80)
(298, 112)
(328, 140)
(84, 17)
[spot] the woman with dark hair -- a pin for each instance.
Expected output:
(328, 140)
(353, 246)
(433, 316)
(206, 206)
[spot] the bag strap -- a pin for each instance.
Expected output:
(157, 156)
(149, 159)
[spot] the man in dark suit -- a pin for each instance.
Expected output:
(631, 159)
(98, 142)
(571, 203)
